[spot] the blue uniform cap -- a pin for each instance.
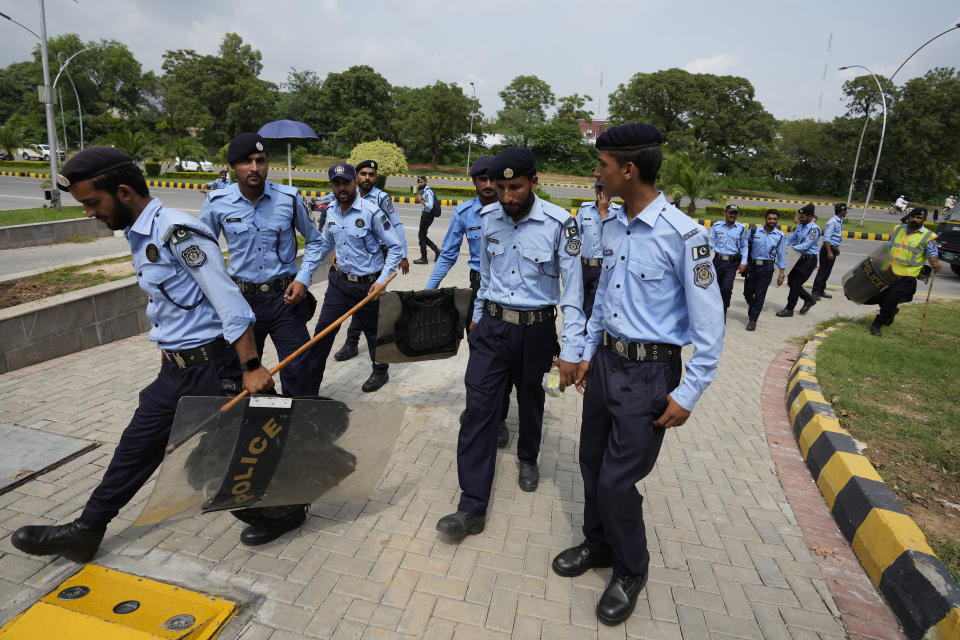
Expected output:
(245, 144)
(90, 163)
(372, 164)
(513, 163)
(808, 209)
(481, 165)
(630, 137)
(837, 208)
(342, 170)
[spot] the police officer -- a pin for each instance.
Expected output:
(222, 182)
(804, 241)
(355, 228)
(657, 293)
(590, 217)
(766, 248)
(729, 243)
(198, 318)
(425, 198)
(910, 244)
(832, 237)
(366, 183)
(528, 246)
(260, 220)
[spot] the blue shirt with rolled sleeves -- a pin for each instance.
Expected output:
(729, 240)
(591, 224)
(805, 238)
(190, 298)
(522, 264)
(260, 236)
(357, 234)
(465, 221)
(658, 286)
(383, 200)
(769, 246)
(427, 196)
(833, 231)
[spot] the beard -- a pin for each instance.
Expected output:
(523, 207)
(122, 217)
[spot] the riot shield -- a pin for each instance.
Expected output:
(270, 451)
(870, 277)
(422, 325)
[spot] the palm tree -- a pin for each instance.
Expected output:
(682, 176)
(134, 144)
(185, 149)
(10, 140)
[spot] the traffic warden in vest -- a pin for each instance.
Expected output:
(829, 250)
(528, 246)
(657, 293)
(198, 318)
(425, 198)
(590, 217)
(729, 243)
(911, 244)
(766, 248)
(355, 228)
(260, 220)
(366, 183)
(804, 241)
(465, 221)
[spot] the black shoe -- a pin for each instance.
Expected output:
(577, 560)
(74, 541)
(815, 297)
(529, 477)
(375, 381)
(825, 295)
(503, 435)
(460, 524)
(346, 352)
(422, 260)
(254, 535)
(619, 599)
(785, 313)
(751, 326)
(874, 331)
(436, 254)
(807, 306)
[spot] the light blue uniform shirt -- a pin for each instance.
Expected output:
(658, 286)
(357, 234)
(190, 298)
(427, 197)
(383, 200)
(833, 231)
(769, 246)
(221, 183)
(729, 240)
(261, 237)
(588, 217)
(465, 221)
(521, 265)
(804, 239)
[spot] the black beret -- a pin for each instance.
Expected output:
(837, 208)
(808, 209)
(245, 144)
(481, 165)
(90, 163)
(918, 211)
(371, 164)
(629, 137)
(732, 207)
(513, 163)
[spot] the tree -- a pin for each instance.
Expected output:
(134, 144)
(695, 179)
(560, 147)
(525, 103)
(10, 139)
(862, 97)
(571, 108)
(302, 98)
(820, 162)
(356, 106)
(434, 115)
(390, 159)
(185, 148)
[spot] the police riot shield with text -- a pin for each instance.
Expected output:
(865, 282)
(422, 325)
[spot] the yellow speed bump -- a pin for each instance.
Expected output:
(98, 603)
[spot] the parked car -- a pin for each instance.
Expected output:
(193, 165)
(39, 152)
(45, 150)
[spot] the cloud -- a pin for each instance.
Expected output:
(714, 64)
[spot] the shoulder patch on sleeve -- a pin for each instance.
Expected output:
(571, 230)
(703, 274)
(193, 256)
(572, 247)
(689, 234)
(179, 234)
(701, 251)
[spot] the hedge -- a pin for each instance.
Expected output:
(749, 212)
(576, 202)
(452, 192)
(187, 175)
(152, 169)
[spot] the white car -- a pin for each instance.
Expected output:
(45, 150)
(39, 152)
(193, 165)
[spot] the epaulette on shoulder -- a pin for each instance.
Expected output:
(463, 206)
(282, 188)
(493, 206)
(682, 224)
(561, 215)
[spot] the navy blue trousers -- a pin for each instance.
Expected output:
(726, 274)
(342, 295)
(900, 291)
(799, 275)
(755, 289)
(501, 355)
(142, 444)
(287, 327)
(826, 266)
(474, 288)
(426, 219)
(618, 447)
(591, 278)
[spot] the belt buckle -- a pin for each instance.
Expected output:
(512, 316)
(641, 352)
(620, 347)
(176, 359)
(265, 287)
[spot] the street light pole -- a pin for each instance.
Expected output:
(48, 107)
(883, 131)
(470, 137)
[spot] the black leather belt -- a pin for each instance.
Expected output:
(591, 262)
(280, 284)
(198, 355)
(735, 256)
(547, 314)
(367, 279)
(651, 352)
(808, 257)
(760, 263)
(474, 276)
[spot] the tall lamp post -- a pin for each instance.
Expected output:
(866, 118)
(470, 137)
(883, 131)
(63, 67)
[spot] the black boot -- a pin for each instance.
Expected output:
(577, 560)
(422, 260)
(619, 599)
(529, 477)
(74, 541)
(376, 380)
(267, 529)
(460, 524)
(346, 352)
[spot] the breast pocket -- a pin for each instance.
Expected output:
(235, 227)
(361, 238)
(281, 239)
(538, 261)
(648, 275)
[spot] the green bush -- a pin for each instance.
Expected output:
(452, 192)
(576, 202)
(152, 169)
(190, 175)
(751, 212)
(307, 183)
(390, 159)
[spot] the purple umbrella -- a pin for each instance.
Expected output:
(279, 129)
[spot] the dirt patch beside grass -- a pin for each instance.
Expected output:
(63, 280)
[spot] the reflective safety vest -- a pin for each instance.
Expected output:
(908, 252)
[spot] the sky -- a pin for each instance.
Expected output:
(780, 46)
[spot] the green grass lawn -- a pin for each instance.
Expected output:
(38, 214)
(901, 399)
(849, 225)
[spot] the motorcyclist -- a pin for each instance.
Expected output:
(949, 203)
(902, 203)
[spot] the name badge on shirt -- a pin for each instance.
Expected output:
(493, 240)
(473, 228)
(607, 252)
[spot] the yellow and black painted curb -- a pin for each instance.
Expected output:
(891, 547)
(24, 174)
(819, 204)
(853, 235)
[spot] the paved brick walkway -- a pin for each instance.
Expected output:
(729, 559)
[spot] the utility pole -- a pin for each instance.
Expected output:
(48, 106)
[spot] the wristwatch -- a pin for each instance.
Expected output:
(250, 365)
